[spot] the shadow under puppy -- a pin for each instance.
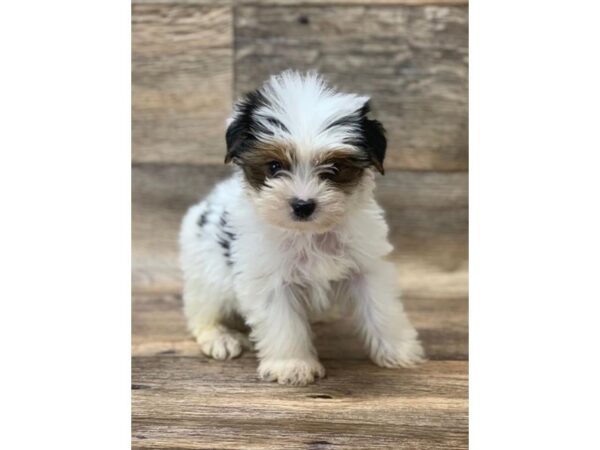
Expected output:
(295, 232)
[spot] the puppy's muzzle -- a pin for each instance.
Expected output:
(303, 209)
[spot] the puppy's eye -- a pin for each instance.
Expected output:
(330, 172)
(274, 167)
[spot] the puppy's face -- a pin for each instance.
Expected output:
(300, 190)
(306, 152)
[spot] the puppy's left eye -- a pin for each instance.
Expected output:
(274, 167)
(330, 172)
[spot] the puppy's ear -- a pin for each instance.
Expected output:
(234, 136)
(240, 133)
(374, 139)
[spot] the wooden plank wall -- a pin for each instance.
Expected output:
(192, 58)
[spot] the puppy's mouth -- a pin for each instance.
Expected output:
(302, 222)
(295, 218)
(312, 224)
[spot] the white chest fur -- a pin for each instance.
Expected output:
(315, 258)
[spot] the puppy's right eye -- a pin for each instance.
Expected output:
(274, 167)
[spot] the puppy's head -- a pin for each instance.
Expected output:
(306, 151)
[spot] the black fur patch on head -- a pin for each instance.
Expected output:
(351, 120)
(277, 123)
(242, 141)
(372, 135)
(241, 133)
(373, 138)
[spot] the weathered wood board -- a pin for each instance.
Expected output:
(181, 82)
(411, 60)
(427, 213)
(303, 2)
(181, 399)
(184, 402)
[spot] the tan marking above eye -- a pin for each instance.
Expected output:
(333, 155)
(255, 162)
(347, 171)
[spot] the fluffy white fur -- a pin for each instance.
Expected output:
(242, 253)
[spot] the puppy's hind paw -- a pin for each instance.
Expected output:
(298, 372)
(406, 353)
(222, 343)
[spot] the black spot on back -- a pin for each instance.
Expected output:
(203, 217)
(223, 243)
(225, 238)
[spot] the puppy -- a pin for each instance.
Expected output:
(295, 232)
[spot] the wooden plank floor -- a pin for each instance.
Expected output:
(183, 400)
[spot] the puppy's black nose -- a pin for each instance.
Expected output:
(303, 208)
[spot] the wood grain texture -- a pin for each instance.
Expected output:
(199, 403)
(181, 82)
(427, 213)
(411, 60)
(303, 2)
(159, 329)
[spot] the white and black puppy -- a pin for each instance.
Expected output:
(295, 232)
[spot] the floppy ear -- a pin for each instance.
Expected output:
(374, 139)
(234, 137)
(240, 132)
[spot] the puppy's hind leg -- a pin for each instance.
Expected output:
(206, 311)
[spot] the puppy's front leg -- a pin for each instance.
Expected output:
(283, 338)
(388, 334)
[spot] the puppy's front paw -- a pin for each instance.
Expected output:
(299, 372)
(406, 353)
(221, 343)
